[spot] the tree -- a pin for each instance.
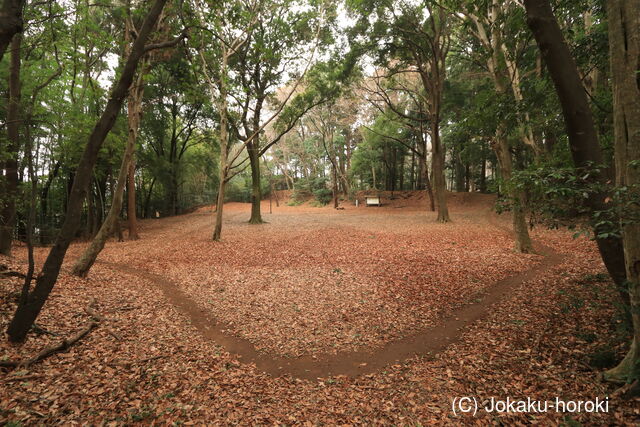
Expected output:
(624, 51)
(32, 301)
(399, 95)
(504, 72)
(8, 212)
(227, 36)
(274, 48)
(583, 138)
(415, 38)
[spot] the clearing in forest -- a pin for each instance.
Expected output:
(189, 319)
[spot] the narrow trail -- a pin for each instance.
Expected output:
(353, 363)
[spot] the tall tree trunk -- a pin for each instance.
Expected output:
(373, 176)
(134, 116)
(90, 254)
(624, 55)
(334, 182)
(501, 147)
(147, 200)
(132, 218)
(91, 212)
(8, 213)
(173, 189)
(31, 303)
(10, 22)
(134, 112)
(459, 172)
(45, 230)
(504, 73)
(224, 145)
(483, 174)
(256, 191)
(425, 177)
(439, 182)
(467, 177)
(413, 167)
(583, 138)
(217, 232)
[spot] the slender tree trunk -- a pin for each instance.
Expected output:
(134, 112)
(224, 148)
(624, 55)
(334, 181)
(413, 167)
(523, 240)
(217, 232)
(427, 181)
(459, 171)
(173, 189)
(8, 213)
(90, 254)
(132, 219)
(467, 177)
(483, 173)
(373, 174)
(31, 304)
(45, 230)
(256, 191)
(91, 213)
(505, 73)
(438, 173)
(147, 201)
(583, 138)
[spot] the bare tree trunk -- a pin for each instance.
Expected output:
(256, 190)
(224, 149)
(438, 174)
(425, 177)
(624, 55)
(483, 174)
(90, 254)
(131, 199)
(583, 138)
(334, 182)
(134, 116)
(134, 111)
(10, 190)
(31, 304)
(373, 173)
(147, 200)
(501, 147)
(45, 230)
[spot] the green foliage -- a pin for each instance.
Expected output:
(323, 195)
(305, 189)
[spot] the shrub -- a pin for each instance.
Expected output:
(323, 195)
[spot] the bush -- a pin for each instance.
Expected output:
(294, 202)
(306, 188)
(323, 195)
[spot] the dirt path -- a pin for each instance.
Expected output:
(426, 342)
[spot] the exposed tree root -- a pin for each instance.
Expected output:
(62, 345)
(12, 274)
(48, 351)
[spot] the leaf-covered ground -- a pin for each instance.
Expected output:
(316, 281)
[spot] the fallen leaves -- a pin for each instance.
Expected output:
(309, 280)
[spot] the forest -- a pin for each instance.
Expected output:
(320, 212)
